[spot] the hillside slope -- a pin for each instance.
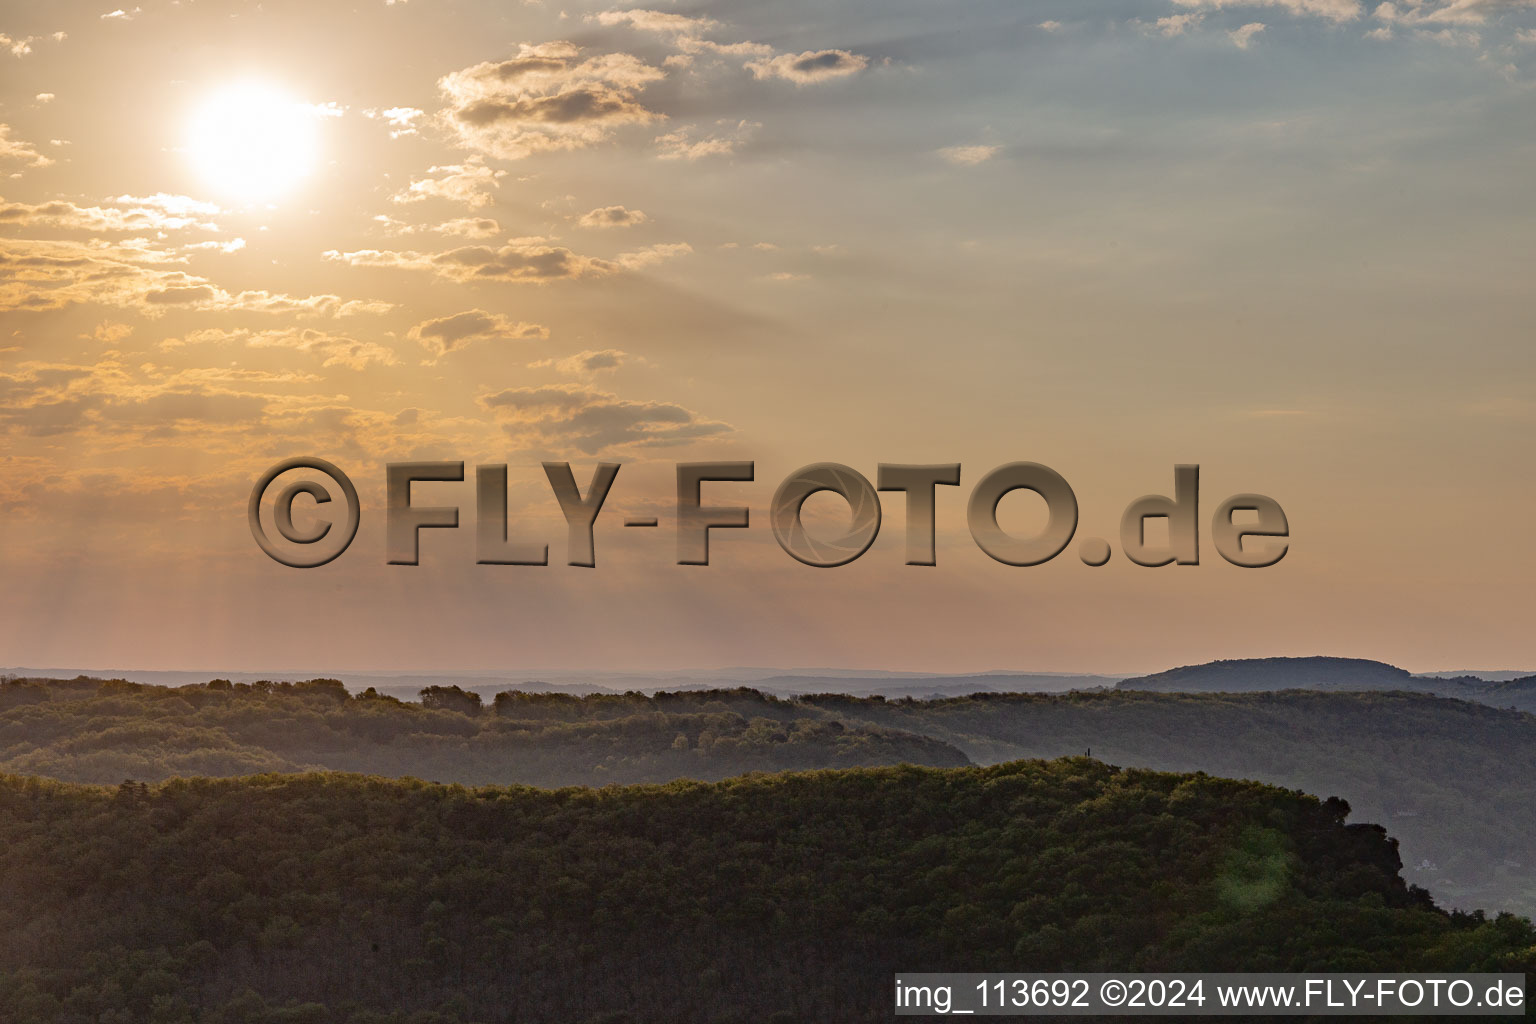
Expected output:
(1454, 781)
(91, 730)
(769, 898)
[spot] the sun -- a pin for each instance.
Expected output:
(252, 142)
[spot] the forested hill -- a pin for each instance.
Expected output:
(1454, 781)
(1252, 675)
(773, 898)
(92, 730)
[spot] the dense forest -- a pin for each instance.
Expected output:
(91, 730)
(1454, 781)
(309, 899)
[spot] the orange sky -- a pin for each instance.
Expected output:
(1290, 241)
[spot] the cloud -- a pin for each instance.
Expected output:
(687, 33)
(1242, 37)
(809, 67)
(110, 332)
(401, 120)
(44, 274)
(526, 260)
(182, 295)
(969, 156)
(468, 227)
(1332, 10)
(13, 150)
(464, 227)
(1176, 24)
(545, 98)
(687, 144)
(585, 363)
(128, 213)
(592, 421)
(450, 333)
(331, 348)
(211, 298)
(523, 261)
(47, 400)
(22, 47)
(1450, 36)
(122, 15)
(612, 217)
(652, 254)
(665, 22)
(233, 245)
(177, 205)
(17, 47)
(470, 183)
(1456, 12)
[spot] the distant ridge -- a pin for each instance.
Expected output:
(487, 683)
(1247, 675)
(1258, 675)
(1503, 675)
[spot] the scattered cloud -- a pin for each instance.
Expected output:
(127, 213)
(1242, 37)
(612, 217)
(233, 245)
(40, 274)
(1450, 36)
(691, 143)
(592, 421)
(1455, 12)
(652, 254)
(523, 260)
(687, 33)
(809, 67)
(13, 150)
(178, 205)
(463, 227)
(110, 332)
(331, 348)
(468, 227)
(969, 156)
(545, 98)
(52, 399)
(450, 333)
(1176, 24)
(471, 183)
(400, 120)
(585, 363)
(209, 297)
(1332, 10)
(22, 47)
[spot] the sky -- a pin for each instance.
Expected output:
(1288, 240)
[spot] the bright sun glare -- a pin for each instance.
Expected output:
(252, 142)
